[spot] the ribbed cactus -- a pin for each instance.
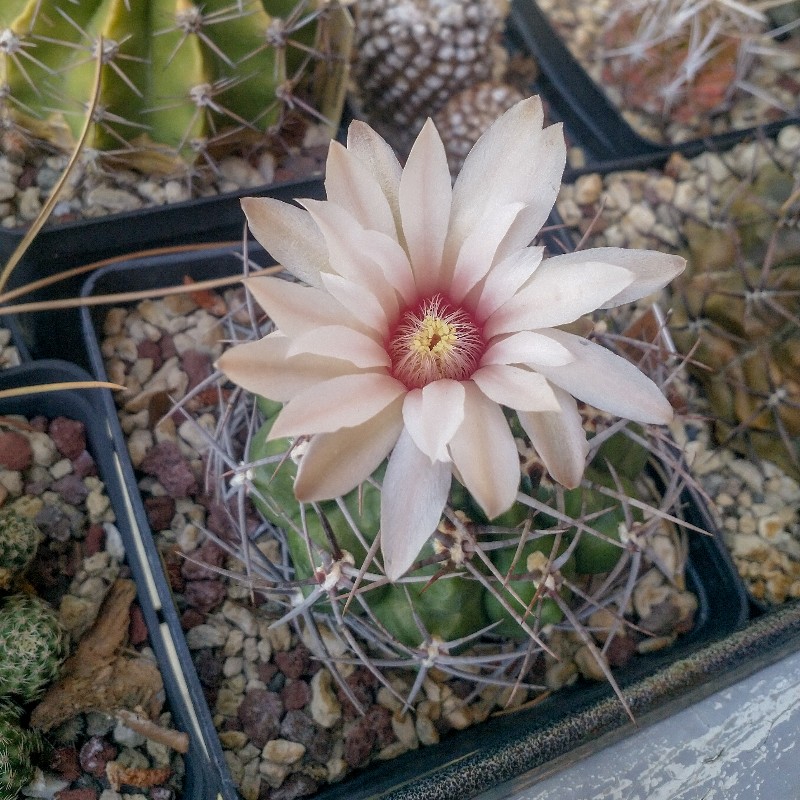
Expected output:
(179, 80)
(739, 302)
(33, 646)
(17, 748)
(19, 540)
(474, 576)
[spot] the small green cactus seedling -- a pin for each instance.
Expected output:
(737, 310)
(17, 748)
(178, 79)
(19, 539)
(33, 646)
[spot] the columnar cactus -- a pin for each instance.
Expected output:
(178, 80)
(33, 646)
(19, 539)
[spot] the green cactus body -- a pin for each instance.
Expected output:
(33, 646)
(450, 607)
(17, 749)
(19, 540)
(739, 304)
(177, 79)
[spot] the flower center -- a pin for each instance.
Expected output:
(434, 341)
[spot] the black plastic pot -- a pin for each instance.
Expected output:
(60, 247)
(471, 761)
(592, 120)
(206, 774)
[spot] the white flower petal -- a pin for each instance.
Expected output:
(341, 402)
(607, 381)
(526, 347)
(335, 463)
(349, 252)
(512, 162)
(478, 251)
(559, 439)
(350, 184)
(338, 341)
(425, 196)
(506, 278)
(289, 235)
(515, 387)
(558, 296)
(652, 270)
(295, 308)
(539, 203)
(485, 454)
(414, 493)
(379, 158)
(432, 415)
(359, 301)
(263, 368)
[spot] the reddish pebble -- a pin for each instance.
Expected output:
(171, 468)
(137, 630)
(85, 793)
(293, 663)
(69, 436)
(94, 541)
(95, 754)
(160, 511)
(64, 762)
(204, 596)
(295, 695)
(15, 451)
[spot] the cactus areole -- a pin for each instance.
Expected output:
(426, 314)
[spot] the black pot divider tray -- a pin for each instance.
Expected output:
(62, 246)
(206, 773)
(473, 760)
(591, 119)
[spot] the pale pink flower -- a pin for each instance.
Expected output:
(425, 312)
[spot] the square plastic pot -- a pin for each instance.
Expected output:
(471, 761)
(206, 776)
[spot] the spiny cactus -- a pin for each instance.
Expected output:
(179, 80)
(413, 56)
(17, 748)
(739, 304)
(33, 646)
(19, 540)
(673, 58)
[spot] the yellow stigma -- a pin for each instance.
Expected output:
(435, 341)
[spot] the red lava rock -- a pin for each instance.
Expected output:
(361, 683)
(620, 650)
(380, 720)
(71, 488)
(298, 784)
(64, 762)
(219, 522)
(160, 511)
(293, 663)
(266, 671)
(358, 743)
(54, 523)
(137, 630)
(69, 436)
(84, 793)
(166, 462)
(167, 346)
(191, 618)
(260, 712)
(95, 754)
(83, 465)
(173, 564)
(197, 366)
(295, 695)
(15, 451)
(148, 349)
(204, 596)
(95, 539)
(208, 553)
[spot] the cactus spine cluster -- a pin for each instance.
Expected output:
(179, 80)
(17, 748)
(737, 310)
(33, 646)
(19, 540)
